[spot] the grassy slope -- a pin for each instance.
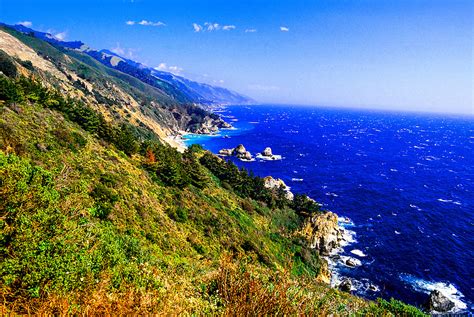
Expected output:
(56, 244)
(158, 248)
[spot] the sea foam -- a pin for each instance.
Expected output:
(447, 289)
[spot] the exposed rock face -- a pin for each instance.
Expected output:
(439, 303)
(239, 150)
(226, 152)
(246, 156)
(267, 152)
(323, 232)
(210, 126)
(268, 155)
(225, 125)
(346, 285)
(272, 183)
(351, 262)
(324, 275)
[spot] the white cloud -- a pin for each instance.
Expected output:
(150, 23)
(197, 27)
(212, 26)
(172, 69)
(259, 87)
(218, 82)
(250, 30)
(61, 35)
(284, 29)
(28, 24)
(145, 23)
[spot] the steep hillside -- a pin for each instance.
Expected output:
(99, 216)
(117, 96)
(182, 89)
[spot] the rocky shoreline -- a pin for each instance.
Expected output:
(210, 126)
(326, 236)
(325, 233)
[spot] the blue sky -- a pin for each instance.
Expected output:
(401, 55)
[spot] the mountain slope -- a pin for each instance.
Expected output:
(182, 89)
(118, 96)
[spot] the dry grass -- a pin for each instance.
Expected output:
(100, 302)
(236, 288)
(248, 291)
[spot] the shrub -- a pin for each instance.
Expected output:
(7, 66)
(27, 64)
(178, 214)
(105, 198)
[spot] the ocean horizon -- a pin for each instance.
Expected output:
(404, 179)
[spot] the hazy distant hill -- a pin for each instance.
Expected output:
(192, 90)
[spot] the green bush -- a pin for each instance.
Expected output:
(7, 66)
(395, 307)
(105, 198)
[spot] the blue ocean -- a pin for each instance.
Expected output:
(405, 180)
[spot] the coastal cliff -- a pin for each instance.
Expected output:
(324, 235)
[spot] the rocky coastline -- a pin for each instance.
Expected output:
(210, 126)
(325, 233)
(326, 236)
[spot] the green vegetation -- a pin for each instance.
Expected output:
(103, 218)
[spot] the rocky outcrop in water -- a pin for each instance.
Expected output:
(438, 302)
(239, 152)
(268, 155)
(346, 285)
(267, 152)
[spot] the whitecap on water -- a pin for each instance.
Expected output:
(447, 289)
(358, 253)
(397, 232)
(345, 222)
(415, 206)
(348, 237)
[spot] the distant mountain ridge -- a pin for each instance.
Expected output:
(185, 90)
